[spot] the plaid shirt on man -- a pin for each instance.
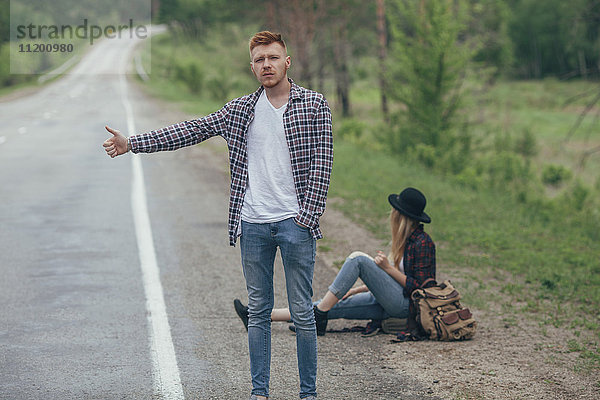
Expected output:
(419, 260)
(307, 125)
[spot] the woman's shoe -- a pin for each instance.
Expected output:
(242, 311)
(320, 321)
(372, 328)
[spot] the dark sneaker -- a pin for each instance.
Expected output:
(242, 312)
(372, 328)
(320, 321)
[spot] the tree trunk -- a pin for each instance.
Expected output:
(272, 15)
(582, 64)
(342, 77)
(302, 17)
(381, 32)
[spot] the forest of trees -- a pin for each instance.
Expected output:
(521, 38)
(524, 39)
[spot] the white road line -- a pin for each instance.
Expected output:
(2, 139)
(167, 382)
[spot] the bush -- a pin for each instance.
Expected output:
(220, 85)
(503, 143)
(470, 178)
(506, 167)
(554, 175)
(578, 196)
(396, 137)
(351, 130)
(526, 145)
(426, 154)
(192, 75)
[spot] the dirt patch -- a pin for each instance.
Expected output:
(504, 361)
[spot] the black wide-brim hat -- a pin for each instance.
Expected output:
(410, 202)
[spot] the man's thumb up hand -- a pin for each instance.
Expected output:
(115, 145)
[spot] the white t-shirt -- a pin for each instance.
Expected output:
(270, 194)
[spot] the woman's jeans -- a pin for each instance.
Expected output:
(385, 299)
(259, 243)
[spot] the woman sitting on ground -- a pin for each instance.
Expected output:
(388, 283)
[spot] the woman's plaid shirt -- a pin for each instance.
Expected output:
(307, 125)
(419, 260)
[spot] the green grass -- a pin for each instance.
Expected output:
(549, 109)
(488, 232)
(589, 355)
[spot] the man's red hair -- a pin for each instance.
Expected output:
(265, 38)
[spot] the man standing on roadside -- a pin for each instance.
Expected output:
(281, 154)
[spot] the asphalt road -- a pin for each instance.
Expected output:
(76, 314)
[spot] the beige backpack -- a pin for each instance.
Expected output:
(440, 314)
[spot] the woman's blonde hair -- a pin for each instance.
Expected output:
(402, 227)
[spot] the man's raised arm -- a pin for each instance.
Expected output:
(173, 137)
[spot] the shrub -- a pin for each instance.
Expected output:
(526, 145)
(191, 74)
(554, 175)
(220, 85)
(505, 167)
(470, 178)
(578, 196)
(350, 129)
(426, 154)
(503, 142)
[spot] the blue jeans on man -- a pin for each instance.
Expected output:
(259, 243)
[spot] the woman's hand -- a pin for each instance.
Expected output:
(350, 292)
(382, 261)
(355, 290)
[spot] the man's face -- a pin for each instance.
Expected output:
(269, 63)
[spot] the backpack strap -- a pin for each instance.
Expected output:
(429, 282)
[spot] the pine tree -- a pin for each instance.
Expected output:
(428, 59)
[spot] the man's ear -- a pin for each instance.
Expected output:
(288, 62)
